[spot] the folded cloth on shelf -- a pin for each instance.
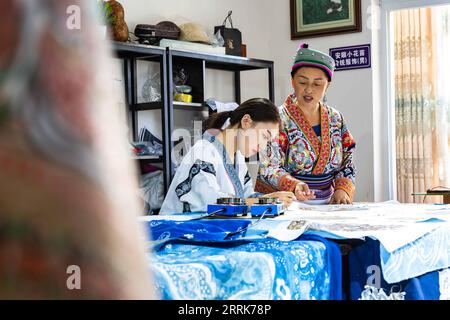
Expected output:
(147, 149)
(221, 106)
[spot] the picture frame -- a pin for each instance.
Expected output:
(318, 18)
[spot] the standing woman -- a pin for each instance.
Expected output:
(215, 166)
(313, 156)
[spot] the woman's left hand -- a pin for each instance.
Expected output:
(340, 197)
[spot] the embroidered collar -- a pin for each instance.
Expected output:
(229, 167)
(321, 146)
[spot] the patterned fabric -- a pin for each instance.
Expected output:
(247, 178)
(266, 269)
(67, 189)
(301, 153)
(198, 230)
(426, 254)
(197, 260)
(185, 186)
(365, 269)
(321, 184)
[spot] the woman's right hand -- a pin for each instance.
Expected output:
(302, 192)
(285, 196)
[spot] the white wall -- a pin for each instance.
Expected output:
(265, 25)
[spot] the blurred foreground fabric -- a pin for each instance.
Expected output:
(67, 187)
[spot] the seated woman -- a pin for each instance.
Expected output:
(215, 166)
(314, 156)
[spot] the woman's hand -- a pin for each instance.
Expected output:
(340, 197)
(285, 196)
(302, 192)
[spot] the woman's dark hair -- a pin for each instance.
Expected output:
(259, 109)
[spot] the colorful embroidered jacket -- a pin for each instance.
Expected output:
(323, 159)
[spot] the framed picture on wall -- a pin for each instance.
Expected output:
(318, 18)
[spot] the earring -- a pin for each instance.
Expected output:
(325, 99)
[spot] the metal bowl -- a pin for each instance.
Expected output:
(231, 201)
(268, 200)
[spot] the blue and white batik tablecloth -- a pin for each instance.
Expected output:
(197, 260)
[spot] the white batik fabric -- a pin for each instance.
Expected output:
(204, 175)
(444, 284)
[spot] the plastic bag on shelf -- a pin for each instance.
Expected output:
(221, 106)
(152, 191)
(217, 40)
(194, 32)
(151, 90)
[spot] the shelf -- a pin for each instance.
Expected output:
(127, 50)
(135, 50)
(155, 158)
(192, 106)
(224, 62)
(157, 105)
(170, 60)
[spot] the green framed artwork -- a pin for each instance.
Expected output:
(317, 18)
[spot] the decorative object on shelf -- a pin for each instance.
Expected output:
(106, 12)
(183, 93)
(244, 50)
(152, 34)
(194, 32)
(106, 17)
(183, 97)
(316, 18)
(231, 36)
(169, 30)
(115, 18)
(180, 77)
(181, 90)
(184, 89)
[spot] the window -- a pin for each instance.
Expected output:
(422, 100)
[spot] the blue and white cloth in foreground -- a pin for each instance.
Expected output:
(365, 269)
(197, 260)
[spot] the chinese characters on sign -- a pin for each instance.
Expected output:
(354, 57)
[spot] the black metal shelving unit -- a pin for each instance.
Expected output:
(196, 64)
